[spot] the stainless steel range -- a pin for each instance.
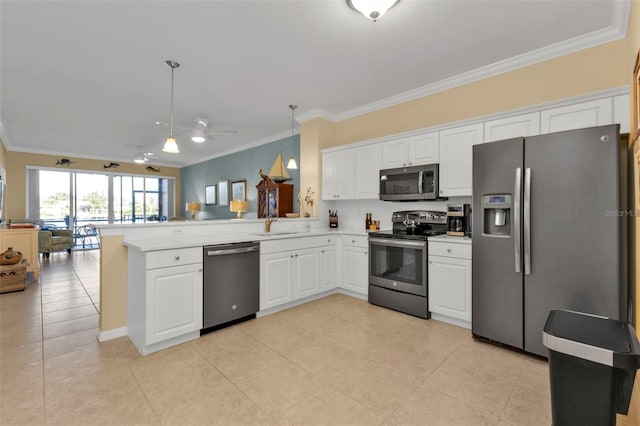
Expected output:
(398, 275)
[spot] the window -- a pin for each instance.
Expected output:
(64, 197)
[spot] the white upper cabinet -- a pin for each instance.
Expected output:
(395, 153)
(424, 149)
(512, 127)
(456, 157)
(337, 175)
(621, 114)
(367, 172)
(411, 151)
(577, 116)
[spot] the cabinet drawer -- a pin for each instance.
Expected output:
(355, 241)
(462, 251)
(174, 257)
(296, 243)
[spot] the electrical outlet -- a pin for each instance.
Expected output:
(177, 231)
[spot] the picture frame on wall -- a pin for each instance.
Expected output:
(223, 193)
(239, 190)
(210, 198)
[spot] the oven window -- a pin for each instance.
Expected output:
(402, 264)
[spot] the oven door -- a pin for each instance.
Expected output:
(398, 264)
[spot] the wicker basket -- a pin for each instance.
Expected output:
(13, 277)
(10, 257)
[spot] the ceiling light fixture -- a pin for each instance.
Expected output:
(372, 9)
(170, 145)
(291, 165)
(140, 157)
(198, 135)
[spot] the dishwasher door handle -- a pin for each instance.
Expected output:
(232, 251)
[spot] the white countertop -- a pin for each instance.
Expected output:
(153, 244)
(450, 239)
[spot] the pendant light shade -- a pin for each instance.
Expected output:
(170, 146)
(372, 9)
(292, 165)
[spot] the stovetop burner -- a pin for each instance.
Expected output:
(415, 225)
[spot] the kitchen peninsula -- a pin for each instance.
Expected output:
(288, 252)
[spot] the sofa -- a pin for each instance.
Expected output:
(50, 239)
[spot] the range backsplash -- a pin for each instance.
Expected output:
(351, 213)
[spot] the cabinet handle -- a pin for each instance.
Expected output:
(176, 258)
(200, 270)
(366, 252)
(448, 250)
(296, 255)
(291, 256)
(353, 241)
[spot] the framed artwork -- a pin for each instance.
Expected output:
(635, 104)
(210, 195)
(223, 193)
(239, 190)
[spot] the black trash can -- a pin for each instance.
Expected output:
(592, 367)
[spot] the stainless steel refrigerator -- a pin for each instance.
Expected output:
(547, 233)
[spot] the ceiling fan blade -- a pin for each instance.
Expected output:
(175, 126)
(221, 132)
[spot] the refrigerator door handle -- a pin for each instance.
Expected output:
(527, 221)
(516, 218)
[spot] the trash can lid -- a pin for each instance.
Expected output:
(594, 338)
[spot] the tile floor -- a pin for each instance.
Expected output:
(334, 361)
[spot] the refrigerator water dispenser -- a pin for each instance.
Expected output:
(497, 215)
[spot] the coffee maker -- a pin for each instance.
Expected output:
(459, 220)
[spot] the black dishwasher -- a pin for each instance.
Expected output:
(231, 283)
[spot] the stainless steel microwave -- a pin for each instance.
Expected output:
(409, 183)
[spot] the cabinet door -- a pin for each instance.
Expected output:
(367, 172)
(338, 175)
(621, 113)
(275, 279)
(578, 116)
(395, 153)
(329, 175)
(450, 287)
(424, 149)
(307, 272)
(174, 302)
(512, 127)
(355, 269)
(456, 159)
(327, 268)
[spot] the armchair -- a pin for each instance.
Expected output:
(50, 240)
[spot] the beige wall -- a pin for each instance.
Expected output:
(17, 162)
(113, 283)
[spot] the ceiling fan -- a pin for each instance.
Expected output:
(201, 130)
(142, 156)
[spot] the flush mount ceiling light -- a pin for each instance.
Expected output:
(198, 134)
(372, 9)
(291, 165)
(170, 145)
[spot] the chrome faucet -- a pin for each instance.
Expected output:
(267, 224)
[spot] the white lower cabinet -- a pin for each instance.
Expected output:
(450, 282)
(174, 302)
(355, 264)
(294, 269)
(164, 297)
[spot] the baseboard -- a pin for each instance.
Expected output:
(114, 333)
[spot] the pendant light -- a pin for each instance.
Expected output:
(170, 145)
(372, 9)
(291, 165)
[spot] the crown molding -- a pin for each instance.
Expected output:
(316, 113)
